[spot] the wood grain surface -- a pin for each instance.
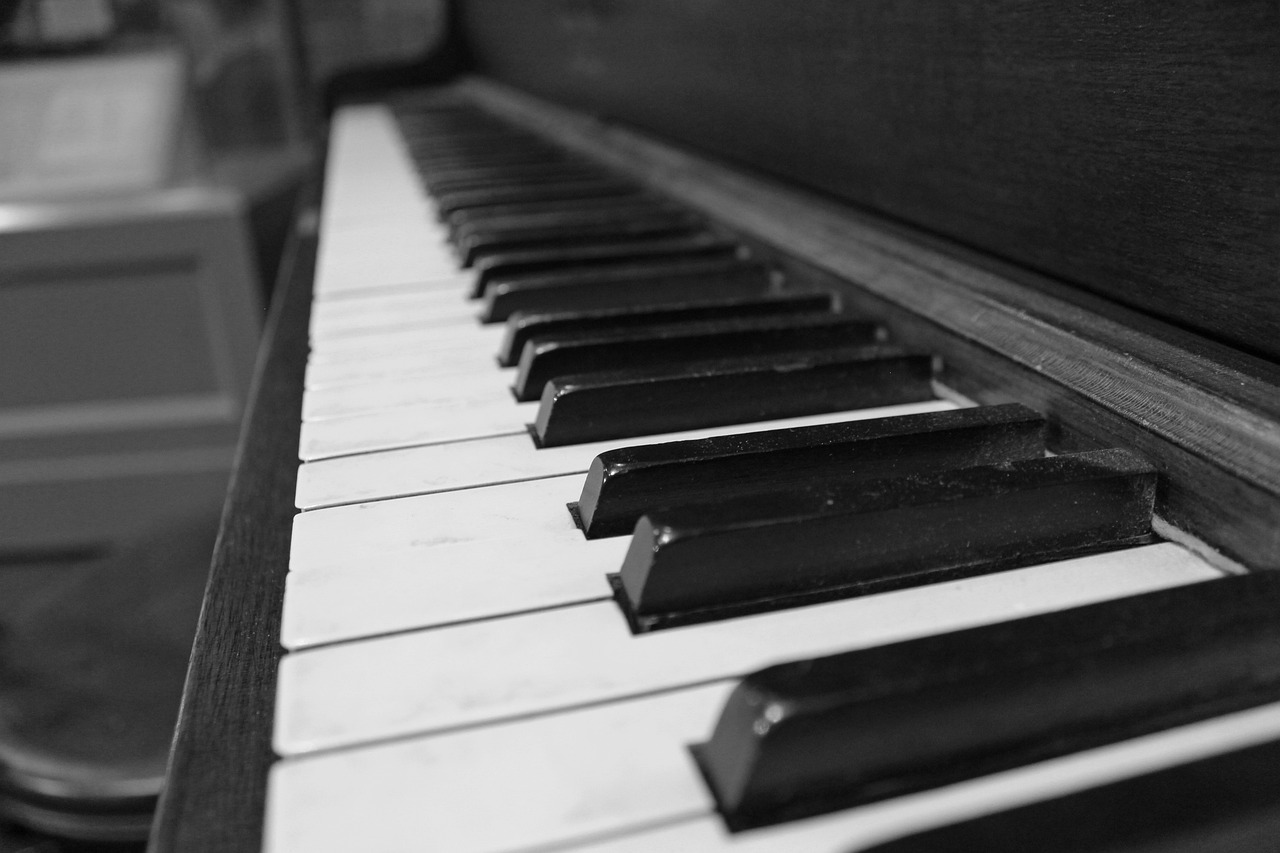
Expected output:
(222, 747)
(1126, 148)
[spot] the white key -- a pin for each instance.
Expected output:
(466, 389)
(624, 768)
(456, 583)
(538, 662)
(369, 175)
(357, 258)
(472, 358)
(407, 343)
(419, 310)
(404, 532)
(509, 786)
(486, 414)
(505, 459)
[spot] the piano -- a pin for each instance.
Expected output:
(1060, 220)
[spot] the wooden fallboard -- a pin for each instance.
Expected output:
(1127, 149)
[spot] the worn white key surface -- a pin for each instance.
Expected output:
(461, 418)
(404, 532)
(453, 583)
(503, 668)
(505, 459)
(623, 769)
(402, 342)
(443, 392)
(475, 352)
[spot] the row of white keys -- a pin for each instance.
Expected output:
(398, 738)
(561, 726)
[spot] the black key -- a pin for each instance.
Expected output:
(533, 262)
(486, 231)
(547, 357)
(478, 217)
(624, 484)
(448, 203)
(1224, 804)
(833, 538)
(599, 406)
(554, 170)
(653, 282)
(522, 326)
(478, 248)
(462, 182)
(812, 736)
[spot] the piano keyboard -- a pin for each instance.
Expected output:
(458, 675)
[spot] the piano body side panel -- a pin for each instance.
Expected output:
(1129, 150)
(213, 801)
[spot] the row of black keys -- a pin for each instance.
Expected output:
(890, 500)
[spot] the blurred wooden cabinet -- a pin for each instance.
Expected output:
(128, 331)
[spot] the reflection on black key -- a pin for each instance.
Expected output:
(625, 285)
(833, 538)
(480, 247)
(1228, 803)
(811, 736)
(522, 326)
(513, 265)
(478, 217)
(624, 484)
(599, 406)
(545, 358)
(447, 203)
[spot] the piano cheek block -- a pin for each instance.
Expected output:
(698, 563)
(813, 736)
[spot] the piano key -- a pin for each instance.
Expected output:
(408, 342)
(512, 457)
(427, 307)
(811, 736)
(470, 389)
(857, 829)
(404, 362)
(622, 484)
(1223, 802)
(478, 217)
(455, 419)
(499, 669)
(555, 780)
(522, 326)
(836, 538)
(653, 282)
(441, 181)
(622, 252)
(552, 356)
(453, 583)
(518, 232)
(448, 203)
(595, 407)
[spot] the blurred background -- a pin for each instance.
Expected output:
(154, 155)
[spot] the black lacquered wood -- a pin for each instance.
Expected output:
(619, 286)
(832, 537)
(599, 406)
(546, 357)
(624, 484)
(579, 230)
(478, 217)
(522, 326)
(488, 230)
(447, 203)
(1227, 803)
(513, 265)
(808, 736)
(454, 180)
